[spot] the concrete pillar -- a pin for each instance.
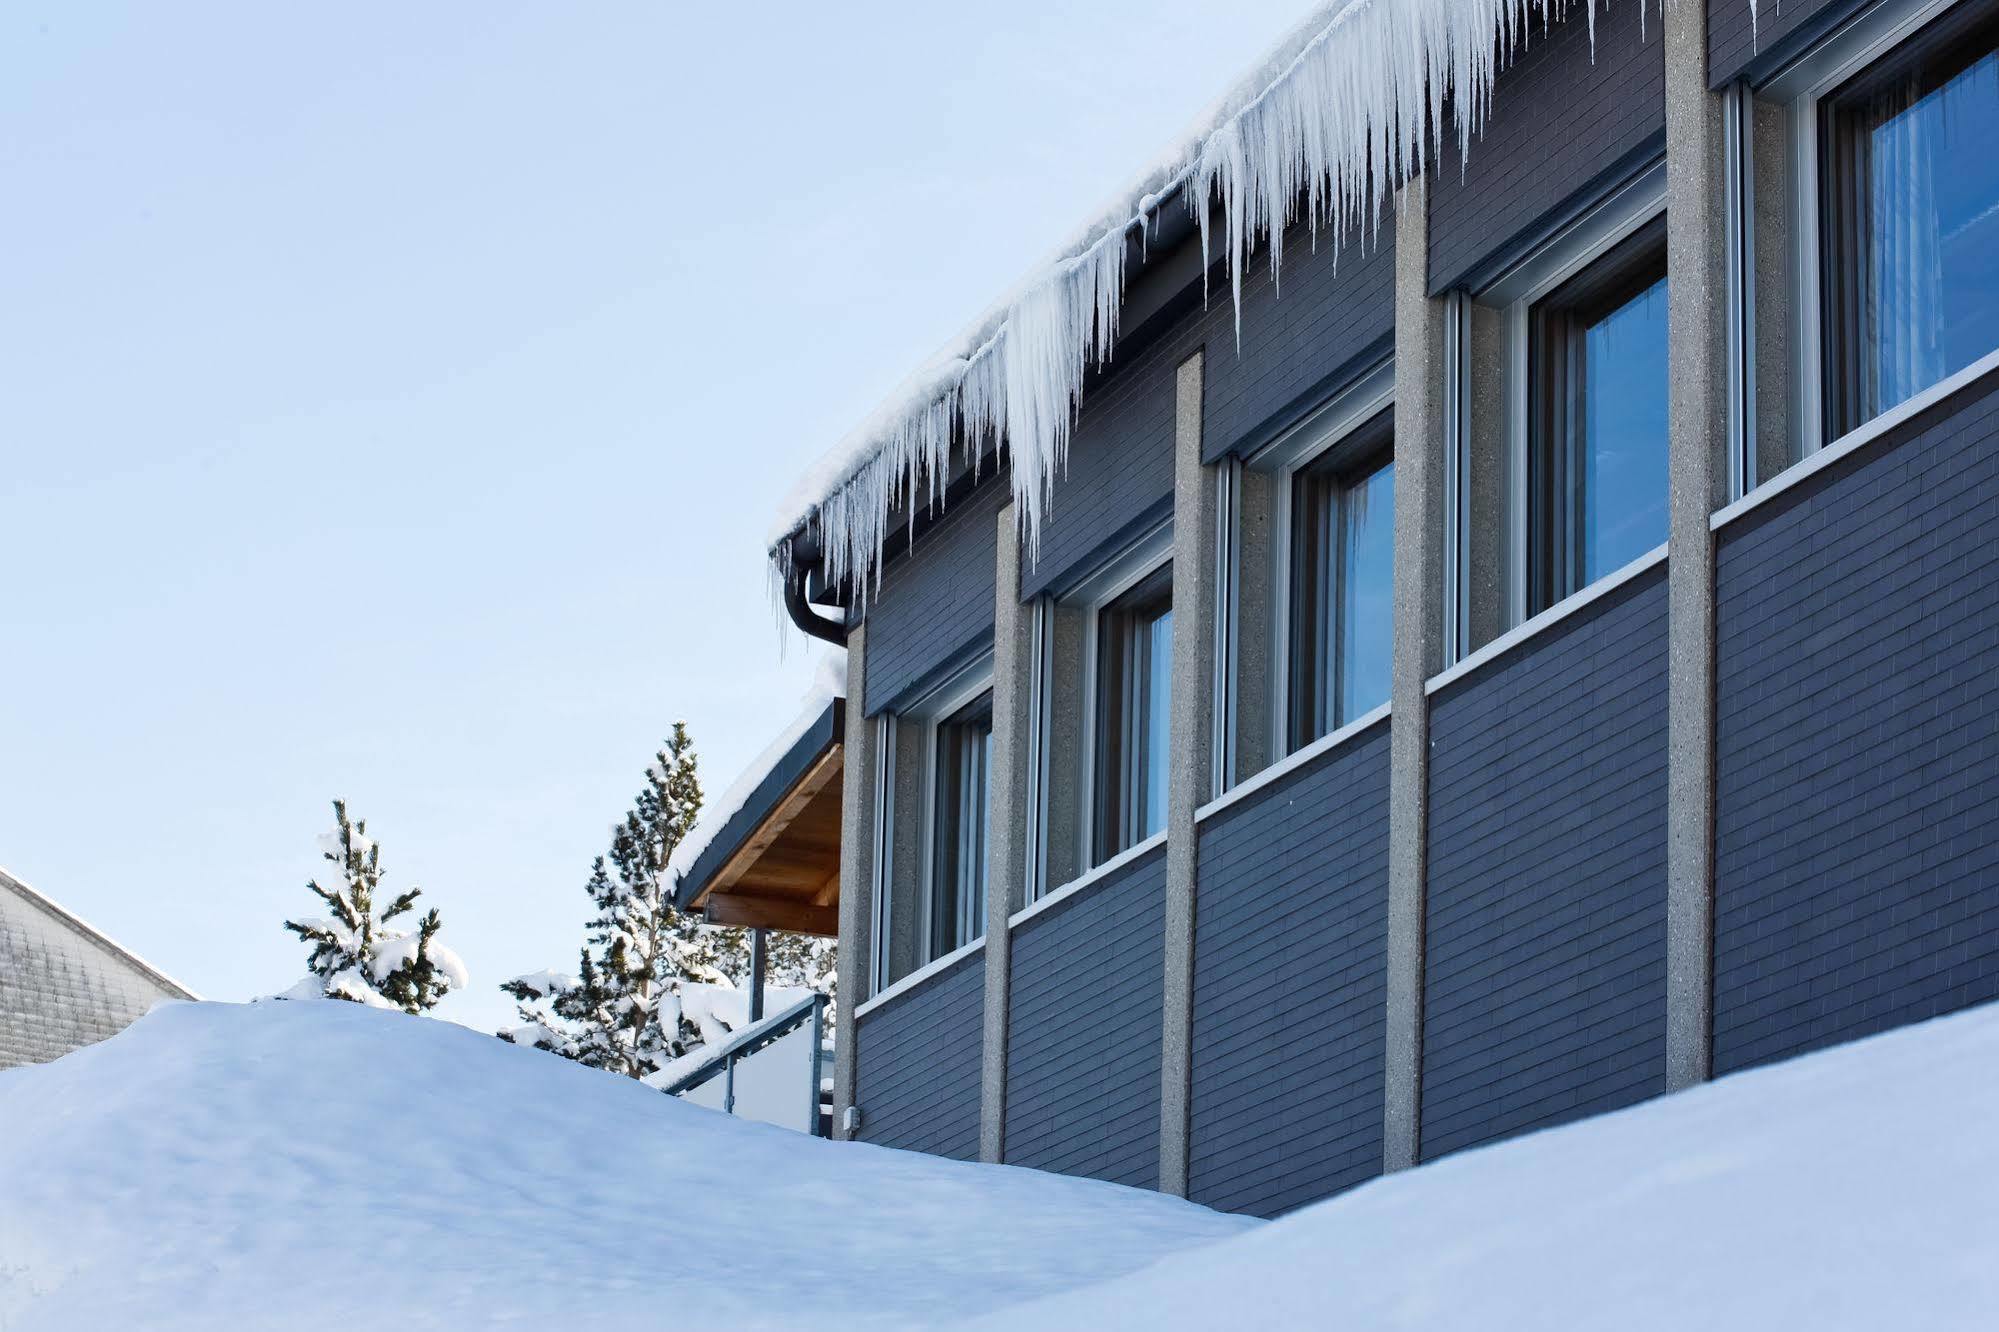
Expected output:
(1419, 509)
(1696, 223)
(857, 876)
(1256, 706)
(1189, 779)
(1006, 822)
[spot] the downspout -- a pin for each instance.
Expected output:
(805, 557)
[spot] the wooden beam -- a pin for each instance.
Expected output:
(815, 779)
(829, 892)
(773, 913)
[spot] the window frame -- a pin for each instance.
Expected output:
(1835, 61)
(1117, 576)
(1552, 523)
(1147, 592)
(931, 713)
(1321, 432)
(1620, 214)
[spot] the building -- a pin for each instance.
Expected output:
(63, 985)
(1420, 700)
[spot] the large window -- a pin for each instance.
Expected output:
(962, 774)
(1596, 460)
(1909, 190)
(1134, 673)
(1342, 582)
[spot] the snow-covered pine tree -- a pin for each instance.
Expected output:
(619, 1012)
(356, 955)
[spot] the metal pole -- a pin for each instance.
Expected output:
(756, 975)
(812, 1063)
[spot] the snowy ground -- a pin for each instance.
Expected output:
(1849, 1190)
(322, 1165)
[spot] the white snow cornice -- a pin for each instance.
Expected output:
(1351, 103)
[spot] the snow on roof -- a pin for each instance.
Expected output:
(828, 683)
(1339, 112)
(83, 926)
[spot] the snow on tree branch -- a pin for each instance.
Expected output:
(355, 954)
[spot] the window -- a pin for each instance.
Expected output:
(1596, 458)
(963, 768)
(1134, 674)
(1909, 212)
(1342, 582)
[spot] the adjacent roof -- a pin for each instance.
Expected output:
(11, 884)
(772, 858)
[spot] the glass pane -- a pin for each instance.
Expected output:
(958, 838)
(1934, 233)
(1367, 568)
(1622, 453)
(1315, 519)
(1159, 665)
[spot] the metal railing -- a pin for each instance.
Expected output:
(722, 1059)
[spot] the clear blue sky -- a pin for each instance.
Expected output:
(394, 399)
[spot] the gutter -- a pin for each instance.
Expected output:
(805, 557)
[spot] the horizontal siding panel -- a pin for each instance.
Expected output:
(1566, 119)
(1857, 744)
(917, 1065)
(1084, 1030)
(935, 604)
(1290, 977)
(1545, 947)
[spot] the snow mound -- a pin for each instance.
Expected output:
(324, 1165)
(1853, 1189)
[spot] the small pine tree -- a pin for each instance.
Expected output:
(355, 955)
(621, 1011)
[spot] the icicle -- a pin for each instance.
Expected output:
(1353, 104)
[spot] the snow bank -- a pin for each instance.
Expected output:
(321, 1165)
(1853, 1189)
(1350, 103)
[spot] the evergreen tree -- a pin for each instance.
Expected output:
(621, 1012)
(355, 954)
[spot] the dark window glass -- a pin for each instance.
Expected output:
(1134, 674)
(958, 834)
(1342, 582)
(1911, 220)
(1596, 462)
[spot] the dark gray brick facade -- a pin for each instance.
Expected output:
(1565, 122)
(1545, 985)
(919, 1065)
(1290, 982)
(1857, 719)
(935, 602)
(1084, 1030)
(1327, 319)
(1741, 42)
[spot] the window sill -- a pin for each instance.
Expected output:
(1291, 762)
(1078, 884)
(914, 979)
(1855, 440)
(1548, 618)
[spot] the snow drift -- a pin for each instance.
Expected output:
(325, 1165)
(1856, 1189)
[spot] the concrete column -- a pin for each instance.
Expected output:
(1419, 510)
(1255, 703)
(1190, 728)
(1696, 222)
(1006, 823)
(857, 875)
